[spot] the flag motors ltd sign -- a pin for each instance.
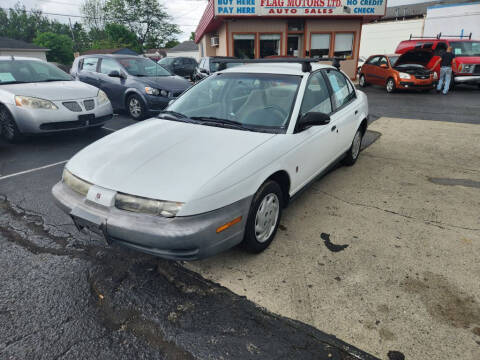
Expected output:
(300, 7)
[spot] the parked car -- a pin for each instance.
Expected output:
(466, 67)
(132, 83)
(37, 97)
(181, 66)
(206, 67)
(219, 165)
(361, 61)
(399, 72)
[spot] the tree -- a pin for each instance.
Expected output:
(61, 47)
(171, 43)
(93, 12)
(192, 36)
(118, 36)
(148, 19)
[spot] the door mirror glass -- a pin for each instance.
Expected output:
(114, 73)
(312, 119)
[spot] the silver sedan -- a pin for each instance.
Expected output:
(37, 97)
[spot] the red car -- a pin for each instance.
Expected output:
(466, 65)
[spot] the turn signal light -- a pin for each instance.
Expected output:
(227, 225)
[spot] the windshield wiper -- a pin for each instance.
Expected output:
(49, 80)
(173, 115)
(215, 120)
(13, 82)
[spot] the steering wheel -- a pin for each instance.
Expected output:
(272, 116)
(278, 109)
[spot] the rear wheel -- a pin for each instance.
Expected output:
(390, 86)
(263, 217)
(8, 126)
(352, 153)
(135, 107)
(362, 81)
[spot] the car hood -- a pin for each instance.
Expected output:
(162, 159)
(167, 82)
(55, 90)
(421, 57)
(467, 59)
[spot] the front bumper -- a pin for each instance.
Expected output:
(467, 79)
(180, 238)
(37, 121)
(416, 85)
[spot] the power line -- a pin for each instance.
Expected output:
(70, 16)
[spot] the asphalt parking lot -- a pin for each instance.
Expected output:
(406, 279)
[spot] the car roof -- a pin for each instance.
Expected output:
(12, 57)
(112, 56)
(274, 68)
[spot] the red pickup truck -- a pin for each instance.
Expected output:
(466, 65)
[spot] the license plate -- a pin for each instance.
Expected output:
(86, 220)
(87, 118)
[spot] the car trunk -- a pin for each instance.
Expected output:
(415, 62)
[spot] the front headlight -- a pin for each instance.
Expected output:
(147, 206)
(102, 98)
(466, 68)
(156, 92)
(76, 184)
(404, 76)
(34, 103)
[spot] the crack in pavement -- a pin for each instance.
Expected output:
(438, 224)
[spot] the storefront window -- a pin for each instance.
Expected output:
(244, 46)
(320, 45)
(269, 45)
(344, 45)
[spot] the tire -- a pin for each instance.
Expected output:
(362, 81)
(8, 126)
(352, 153)
(390, 85)
(269, 198)
(136, 107)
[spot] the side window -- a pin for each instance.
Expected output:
(109, 65)
(317, 96)
(342, 94)
(373, 60)
(383, 61)
(202, 63)
(90, 64)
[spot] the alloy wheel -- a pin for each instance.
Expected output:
(7, 126)
(390, 85)
(267, 217)
(135, 107)
(362, 80)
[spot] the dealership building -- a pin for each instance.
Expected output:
(254, 29)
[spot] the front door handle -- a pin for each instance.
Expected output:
(356, 112)
(334, 127)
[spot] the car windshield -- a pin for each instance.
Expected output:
(30, 71)
(166, 61)
(143, 67)
(259, 102)
(214, 66)
(393, 60)
(466, 48)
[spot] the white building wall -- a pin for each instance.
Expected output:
(383, 37)
(33, 54)
(453, 20)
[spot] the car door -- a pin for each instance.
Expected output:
(346, 106)
(383, 70)
(87, 71)
(316, 145)
(179, 67)
(113, 86)
(371, 70)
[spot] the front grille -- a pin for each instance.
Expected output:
(422, 77)
(476, 69)
(89, 104)
(72, 106)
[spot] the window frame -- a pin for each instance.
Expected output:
(329, 90)
(280, 43)
(255, 42)
(354, 33)
(329, 33)
(99, 65)
(96, 65)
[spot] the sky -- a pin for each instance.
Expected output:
(185, 13)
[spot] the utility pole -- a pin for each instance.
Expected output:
(75, 47)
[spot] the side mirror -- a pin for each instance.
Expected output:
(384, 66)
(203, 71)
(115, 73)
(312, 119)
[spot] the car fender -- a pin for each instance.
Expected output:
(132, 90)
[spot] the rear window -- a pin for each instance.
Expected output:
(89, 64)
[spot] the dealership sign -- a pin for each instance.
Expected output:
(300, 7)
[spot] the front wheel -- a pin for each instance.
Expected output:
(136, 108)
(8, 126)
(352, 153)
(263, 217)
(390, 86)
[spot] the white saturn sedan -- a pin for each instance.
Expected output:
(218, 166)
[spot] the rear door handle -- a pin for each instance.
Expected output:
(356, 112)
(334, 127)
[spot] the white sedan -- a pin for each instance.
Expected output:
(218, 166)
